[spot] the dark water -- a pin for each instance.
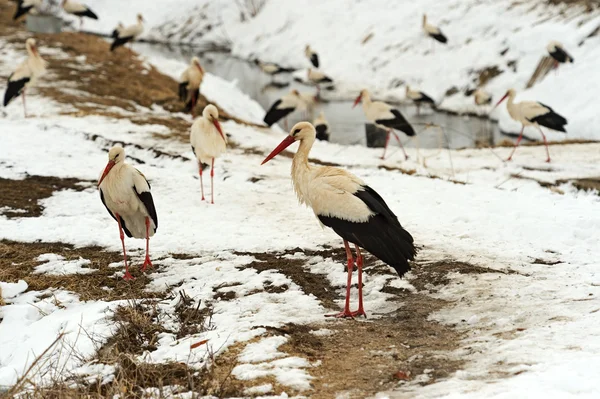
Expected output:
(347, 125)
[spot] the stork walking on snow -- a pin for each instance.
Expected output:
(433, 31)
(208, 142)
(128, 34)
(317, 78)
(386, 117)
(312, 56)
(25, 75)
(125, 193)
(532, 113)
(189, 84)
(79, 10)
(26, 6)
(351, 208)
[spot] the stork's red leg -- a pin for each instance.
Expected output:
(201, 182)
(346, 312)
(127, 275)
(359, 264)
(517, 144)
(401, 145)
(387, 140)
(545, 143)
(147, 262)
(212, 186)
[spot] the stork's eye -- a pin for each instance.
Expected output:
(296, 131)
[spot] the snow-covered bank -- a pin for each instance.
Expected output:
(379, 44)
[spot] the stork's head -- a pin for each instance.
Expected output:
(509, 93)
(196, 63)
(115, 155)
(300, 131)
(363, 93)
(211, 114)
(31, 46)
(140, 18)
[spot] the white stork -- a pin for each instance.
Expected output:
(129, 33)
(25, 75)
(272, 69)
(433, 31)
(418, 98)
(25, 6)
(312, 56)
(75, 8)
(558, 53)
(317, 78)
(386, 117)
(208, 142)
(482, 97)
(351, 208)
(189, 84)
(115, 32)
(283, 107)
(322, 127)
(532, 113)
(125, 193)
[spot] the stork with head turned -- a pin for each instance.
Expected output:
(419, 98)
(26, 6)
(25, 75)
(322, 127)
(532, 113)
(433, 31)
(558, 53)
(351, 208)
(317, 78)
(283, 107)
(125, 193)
(79, 10)
(189, 84)
(386, 117)
(128, 34)
(312, 56)
(208, 142)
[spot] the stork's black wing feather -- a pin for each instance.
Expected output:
(439, 37)
(322, 133)
(21, 10)
(425, 98)
(551, 120)
(314, 59)
(127, 232)
(87, 13)
(146, 198)
(275, 114)
(183, 91)
(120, 41)
(398, 123)
(382, 235)
(14, 89)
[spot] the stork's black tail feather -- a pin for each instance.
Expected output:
(87, 13)
(14, 89)
(551, 120)
(440, 37)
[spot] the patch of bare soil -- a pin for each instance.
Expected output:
(21, 198)
(19, 259)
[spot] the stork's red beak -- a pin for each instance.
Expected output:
(498, 103)
(109, 166)
(218, 126)
(200, 68)
(357, 100)
(287, 141)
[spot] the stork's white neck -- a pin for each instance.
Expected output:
(366, 101)
(301, 169)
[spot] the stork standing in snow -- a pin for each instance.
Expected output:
(418, 98)
(558, 53)
(75, 8)
(433, 31)
(386, 117)
(283, 107)
(189, 84)
(272, 69)
(115, 32)
(125, 193)
(351, 208)
(312, 56)
(25, 6)
(25, 75)
(208, 142)
(317, 78)
(322, 127)
(128, 34)
(532, 113)
(482, 97)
